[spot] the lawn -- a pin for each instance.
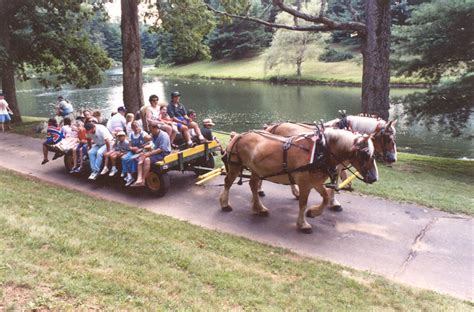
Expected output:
(63, 250)
(253, 69)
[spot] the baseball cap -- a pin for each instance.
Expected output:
(121, 133)
(122, 109)
(208, 121)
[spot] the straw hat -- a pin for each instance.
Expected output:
(208, 121)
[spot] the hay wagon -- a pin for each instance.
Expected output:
(199, 159)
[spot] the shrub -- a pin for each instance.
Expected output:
(332, 55)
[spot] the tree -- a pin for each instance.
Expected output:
(437, 44)
(374, 32)
(240, 38)
(132, 58)
(291, 47)
(47, 36)
(188, 23)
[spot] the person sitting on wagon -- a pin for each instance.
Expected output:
(81, 148)
(64, 108)
(184, 130)
(129, 163)
(206, 131)
(120, 148)
(162, 148)
(103, 140)
(54, 135)
(117, 121)
(178, 112)
(153, 116)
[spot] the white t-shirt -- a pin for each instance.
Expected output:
(116, 121)
(101, 134)
(3, 107)
(67, 130)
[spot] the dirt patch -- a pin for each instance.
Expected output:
(15, 296)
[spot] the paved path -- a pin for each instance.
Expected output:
(404, 242)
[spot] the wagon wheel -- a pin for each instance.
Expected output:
(69, 161)
(202, 162)
(158, 184)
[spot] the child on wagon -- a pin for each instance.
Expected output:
(129, 164)
(54, 135)
(120, 148)
(81, 148)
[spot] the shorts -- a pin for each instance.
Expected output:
(179, 125)
(158, 157)
(5, 118)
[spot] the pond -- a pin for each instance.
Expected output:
(240, 106)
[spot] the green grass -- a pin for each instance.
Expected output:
(253, 69)
(27, 126)
(441, 183)
(63, 250)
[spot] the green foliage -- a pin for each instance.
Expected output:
(187, 22)
(332, 55)
(449, 104)
(437, 44)
(293, 47)
(439, 37)
(149, 43)
(240, 38)
(49, 36)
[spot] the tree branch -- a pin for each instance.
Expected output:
(331, 24)
(355, 15)
(323, 7)
(314, 28)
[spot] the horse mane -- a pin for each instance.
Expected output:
(366, 124)
(346, 138)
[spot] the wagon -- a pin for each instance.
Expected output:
(199, 159)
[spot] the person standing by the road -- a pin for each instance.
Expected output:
(5, 112)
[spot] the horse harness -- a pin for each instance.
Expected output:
(318, 155)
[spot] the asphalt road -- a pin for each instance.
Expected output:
(407, 243)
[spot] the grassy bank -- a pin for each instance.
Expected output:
(64, 250)
(253, 69)
(436, 182)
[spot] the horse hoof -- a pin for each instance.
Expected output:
(297, 197)
(264, 213)
(336, 208)
(261, 193)
(309, 215)
(227, 208)
(306, 230)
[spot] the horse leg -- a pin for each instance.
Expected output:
(257, 206)
(261, 193)
(295, 191)
(301, 223)
(318, 210)
(334, 204)
(230, 177)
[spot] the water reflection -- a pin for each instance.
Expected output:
(240, 106)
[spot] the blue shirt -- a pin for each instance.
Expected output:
(176, 111)
(162, 141)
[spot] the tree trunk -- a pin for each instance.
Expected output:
(131, 59)
(9, 89)
(8, 69)
(376, 53)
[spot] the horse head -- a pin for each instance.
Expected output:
(384, 141)
(364, 158)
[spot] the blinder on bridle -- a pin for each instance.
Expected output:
(386, 137)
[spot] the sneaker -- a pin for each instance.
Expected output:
(129, 181)
(104, 171)
(113, 172)
(56, 156)
(93, 176)
(122, 175)
(73, 170)
(78, 169)
(44, 161)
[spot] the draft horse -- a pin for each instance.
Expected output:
(305, 160)
(383, 135)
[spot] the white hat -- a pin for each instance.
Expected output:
(208, 121)
(121, 133)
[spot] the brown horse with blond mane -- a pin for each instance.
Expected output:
(305, 160)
